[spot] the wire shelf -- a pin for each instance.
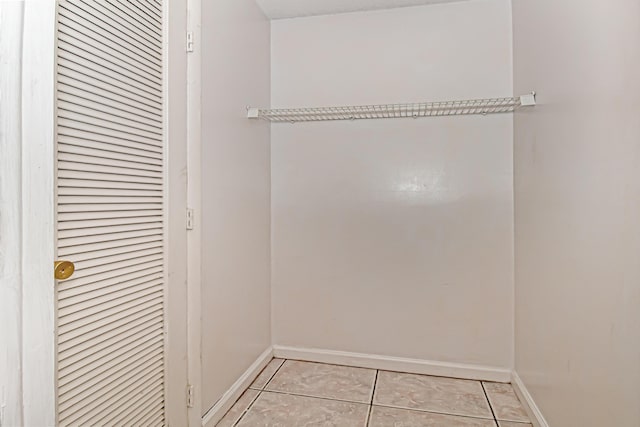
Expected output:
(392, 111)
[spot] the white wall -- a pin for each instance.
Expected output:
(236, 193)
(577, 184)
(279, 9)
(394, 237)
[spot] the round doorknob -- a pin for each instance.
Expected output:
(62, 270)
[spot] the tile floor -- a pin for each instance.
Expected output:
(289, 393)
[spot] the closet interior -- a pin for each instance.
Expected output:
(320, 213)
(384, 190)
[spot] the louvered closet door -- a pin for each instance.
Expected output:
(110, 198)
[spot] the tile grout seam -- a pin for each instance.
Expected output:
(274, 374)
(308, 396)
(375, 384)
(246, 409)
(486, 396)
(373, 392)
(260, 391)
(264, 387)
(475, 417)
(368, 419)
(397, 371)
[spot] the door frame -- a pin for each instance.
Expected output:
(37, 207)
(37, 219)
(176, 256)
(194, 202)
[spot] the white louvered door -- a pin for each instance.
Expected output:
(110, 213)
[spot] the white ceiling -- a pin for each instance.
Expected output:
(279, 9)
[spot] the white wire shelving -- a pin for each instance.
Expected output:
(392, 111)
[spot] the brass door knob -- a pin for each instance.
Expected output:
(62, 270)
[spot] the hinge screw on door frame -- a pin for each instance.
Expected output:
(190, 397)
(190, 219)
(190, 41)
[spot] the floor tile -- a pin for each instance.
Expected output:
(285, 410)
(436, 394)
(505, 403)
(238, 409)
(266, 374)
(392, 417)
(328, 381)
(513, 424)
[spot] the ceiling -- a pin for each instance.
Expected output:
(279, 9)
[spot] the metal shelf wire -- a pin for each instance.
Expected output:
(392, 111)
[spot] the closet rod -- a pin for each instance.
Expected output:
(392, 111)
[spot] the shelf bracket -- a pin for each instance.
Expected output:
(253, 113)
(528, 100)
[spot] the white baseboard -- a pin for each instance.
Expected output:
(229, 398)
(398, 364)
(530, 405)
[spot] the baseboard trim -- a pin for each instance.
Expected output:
(229, 398)
(398, 364)
(530, 405)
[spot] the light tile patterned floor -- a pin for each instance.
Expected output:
(292, 393)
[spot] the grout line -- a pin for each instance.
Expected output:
(335, 364)
(246, 409)
(274, 374)
(430, 411)
(260, 390)
(373, 392)
(486, 396)
(522, 423)
(270, 378)
(375, 384)
(368, 420)
(384, 406)
(315, 397)
(397, 371)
